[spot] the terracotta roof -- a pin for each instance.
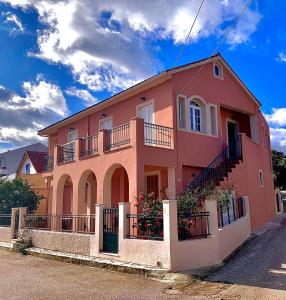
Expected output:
(37, 159)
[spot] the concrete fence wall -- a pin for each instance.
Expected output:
(170, 253)
(61, 241)
(5, 234)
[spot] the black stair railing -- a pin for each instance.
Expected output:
(219, 167)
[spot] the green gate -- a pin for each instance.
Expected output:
(110, 230)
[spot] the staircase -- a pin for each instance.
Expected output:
(218, 169)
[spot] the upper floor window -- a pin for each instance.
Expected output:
(28, 169)
(105, 123)
(218, 73)
(195, 116)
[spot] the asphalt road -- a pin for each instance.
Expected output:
(259, 270)
(29, 277)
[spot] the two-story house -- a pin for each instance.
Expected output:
(169, 132)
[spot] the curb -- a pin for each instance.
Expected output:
(125, 267)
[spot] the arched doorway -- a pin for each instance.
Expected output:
(115, 190)
(64, 206)
(116, 186)
(87, 193)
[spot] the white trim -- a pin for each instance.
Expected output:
(147, 103)
(210, 119)
(105, 119)
(152, 173)
(217, 63)
(72, 132)
(178, 97)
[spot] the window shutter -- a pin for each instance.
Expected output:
(182, 113)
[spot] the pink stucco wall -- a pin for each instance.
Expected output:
(191, 151)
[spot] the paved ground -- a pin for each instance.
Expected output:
(29, 277)
(257, 272)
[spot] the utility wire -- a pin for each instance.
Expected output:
(226, 34)
(189, 34)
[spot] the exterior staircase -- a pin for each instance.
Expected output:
(218, 169)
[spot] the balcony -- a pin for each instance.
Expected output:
(136, 132)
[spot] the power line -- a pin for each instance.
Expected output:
(226, 34)
(189, 34)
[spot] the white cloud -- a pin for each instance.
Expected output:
(21, 117)
(12, 18)
(278, 139)
(277, 117)
(85, 95)
(281, 57)
(107, 44)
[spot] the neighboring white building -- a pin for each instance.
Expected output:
(10, 160)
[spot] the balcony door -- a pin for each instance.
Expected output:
(146, 112)
(72, 136)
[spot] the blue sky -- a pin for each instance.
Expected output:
(58, 57)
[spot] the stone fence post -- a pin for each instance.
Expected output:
(123, 228)
(97, 239)
(170, 230)
(22, 214)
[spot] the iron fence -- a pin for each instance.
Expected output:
(5, 220)
(117, 137)
(49, 163)
(231, 211)
(145, 227)
(158, 135)
(219, 167)
(66, 153)
(89, 146)
(64, 223)
(193, 225)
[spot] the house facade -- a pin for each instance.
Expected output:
(30, 169)
(169, 133)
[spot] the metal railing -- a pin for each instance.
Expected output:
(63, 223)
(66, 153)
(5, 220)
(145, 227)
(88, 146)
(158, 135)
(219, 167)
(193, 225)
(232, 211)
(49, 163)
(117, 137)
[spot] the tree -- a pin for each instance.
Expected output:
(17, 193)
(279, 169)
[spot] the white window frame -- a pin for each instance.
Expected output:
(147, 103)
(104, 120)
(75, 131)
(193, 122)
(205, 115)
(210, 120)
(218, 64)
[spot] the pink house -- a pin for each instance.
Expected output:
(184, 128)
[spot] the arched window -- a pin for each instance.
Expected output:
(195, 116)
